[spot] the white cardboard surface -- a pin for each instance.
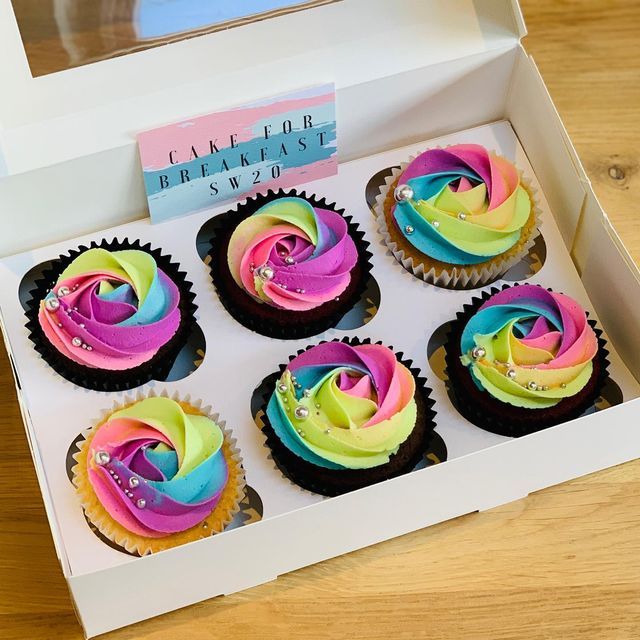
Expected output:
(238, 359)
(81, 111)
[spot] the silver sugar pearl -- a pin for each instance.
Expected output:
(76, 342)
(511, 373)
(301, 433)
(52, 304)
(436, 224)
(84, 346)
(63, 291)
(134, 482)
(282, 387)
(81, 325)
(102, 458)
(478, 352)
(532, 386)
(89, 347)
(462, 215)
(544, 388)
(403, 192)
(301, 412)
(409, 229)
(306, 393)
(141, 503)
(337, 299)
(327, 431)
(289, 260)
(317, 405)
(563, 385)
(265, 273)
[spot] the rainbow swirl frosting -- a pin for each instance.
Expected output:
(461, 205)
(155, 469)
(292, 255)
(111, 310)
(529, 347)
(344, 407)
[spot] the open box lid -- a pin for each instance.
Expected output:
(89, 109)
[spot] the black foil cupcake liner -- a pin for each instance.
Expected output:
(490, 414)
(157, 368)
(331, 482)
(263, 318)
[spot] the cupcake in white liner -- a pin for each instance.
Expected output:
(140, 484)
(458, 217)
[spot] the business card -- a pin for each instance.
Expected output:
(228, 155)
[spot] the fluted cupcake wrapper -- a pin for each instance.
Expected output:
(261, 317)
(157, 368)
(335, 482)
(490, 414)
(453, 276)
(221, 516)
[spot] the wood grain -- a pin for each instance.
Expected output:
(564, 563)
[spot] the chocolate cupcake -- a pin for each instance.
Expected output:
(524, 358)
(111, 316)
(343, 415)
(288, 266)
(457, 217)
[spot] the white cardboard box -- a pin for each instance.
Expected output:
(406, 71)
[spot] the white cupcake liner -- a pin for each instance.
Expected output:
(111, 532)
(457, 277)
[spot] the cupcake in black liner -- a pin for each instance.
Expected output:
(524, 358)
(111, 316)
(287, 265)
(346, 414)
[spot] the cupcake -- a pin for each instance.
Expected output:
(523, 359)
(158, 473)
(457, 217)
(288, 266)
(112, 316)
(344, 415)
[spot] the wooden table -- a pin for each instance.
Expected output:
(564, 563)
